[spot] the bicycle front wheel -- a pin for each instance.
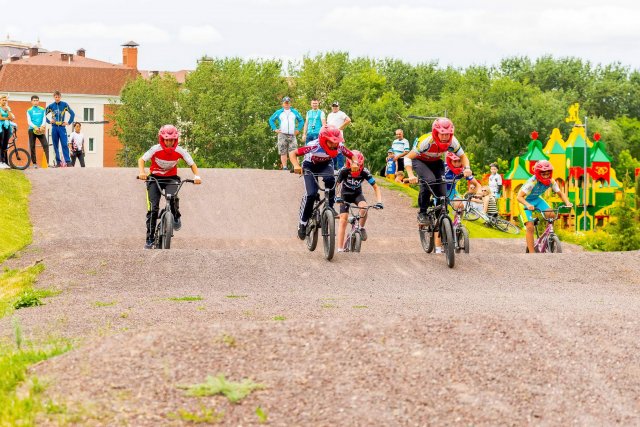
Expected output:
(19, 159)
(167, 230)
(312, 234)
(426, 239)
(554, 244)
(328, 233)
(448, 245)
(462, 237)
(505, 226)
(356, 241)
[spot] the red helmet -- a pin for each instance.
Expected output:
(442, 126)
(450, 158)
(360, 159)
(168, 132)
(333, 134)
(543, 166)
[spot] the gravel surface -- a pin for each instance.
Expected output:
(390, 336)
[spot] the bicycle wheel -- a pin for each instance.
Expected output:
(554, 244)
(446, 236)
(356, 241)
(312, 234)
(426, 239)
(328, 233)
(462, 236)
(167, 226)
(19, 159)
(471, 214)
(506, 226)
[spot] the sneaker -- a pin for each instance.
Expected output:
(284, 168)
(422, 218)
(4, 166)
(363, 234)
(35, 166)
(177, 224)
(439, 250)
(302, 231)
(340, 250)
(149, 244)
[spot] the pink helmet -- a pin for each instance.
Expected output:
(333, 134)
(450, 158)
(360, 159)
(168, 132)
(442, 126)
(543, 166)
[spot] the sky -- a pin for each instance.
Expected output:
(173, 35)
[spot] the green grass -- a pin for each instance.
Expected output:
(205, 416)
(233, 391)
(279, 318)
(476, 228)
(188, 298)
(15, 232)
(16, 289)
(104, 304)
(236, 296)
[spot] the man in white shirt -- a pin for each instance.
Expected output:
(401, 148)
(340, 120)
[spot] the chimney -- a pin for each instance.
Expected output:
(33, 51)
(130, 54)
(15, 58)
(81, 52)
(64, 56)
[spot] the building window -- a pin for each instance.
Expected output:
(88, 114)
(91, 146)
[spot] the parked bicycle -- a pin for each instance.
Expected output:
(18, 157)
(164, 224)
(472, 214)
(548, 241)
(323, 217)
(353, 239)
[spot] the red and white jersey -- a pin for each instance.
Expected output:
(164, 162)
(314, 153)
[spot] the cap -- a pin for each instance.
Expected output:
(390, 150)
(335, 104)
(286, 99)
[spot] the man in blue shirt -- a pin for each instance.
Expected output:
(59, 110)
(287, 123)
(37, 129)
(314, 122)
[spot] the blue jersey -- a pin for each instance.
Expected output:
(450, 176)
(35, 116)
(391, 166)
(314, 121)
(534, 189)
(58, 112)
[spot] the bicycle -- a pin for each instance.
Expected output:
(548, 241)
(322, 216)
(472, 214)
(459, 230)
(353, 239)
(19, 158)
(164, 224)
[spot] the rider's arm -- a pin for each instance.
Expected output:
(196, 177)
(376, 189)
(521, 196)
(348, 153)
(465, 162)
(293, 157)
(411, 155)
(564, 197)
(475, 183)
(141, 172)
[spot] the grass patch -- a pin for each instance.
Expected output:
(16, 289)
(596, 241)
(360, 306)
(329, 306)
(233, 391)
(104, 304)
(279, 318)
(205, 416)
(262, 415)
(15, 233)
(228, 340)
(194, 298)
(237, 296)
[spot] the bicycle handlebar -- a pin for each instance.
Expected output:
(556, 210)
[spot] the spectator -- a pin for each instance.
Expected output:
(37, 129)
(495, 181)
(400, 147)
(287, 123)
(390, 168)
(314, 121)
(340, 120)
(58, 120)
(76, 145)
(5, 131)
(490, 206)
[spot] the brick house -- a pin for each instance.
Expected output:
(88, 85)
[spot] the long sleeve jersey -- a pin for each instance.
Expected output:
(58, 112)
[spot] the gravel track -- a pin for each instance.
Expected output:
(384, 337)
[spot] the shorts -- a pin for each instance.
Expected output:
(286, 143)
(528, 215)
(353, 198)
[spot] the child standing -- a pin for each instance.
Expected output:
(76, 145)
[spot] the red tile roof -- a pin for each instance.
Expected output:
(48, 72)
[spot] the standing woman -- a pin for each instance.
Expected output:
(76, 145)
(6, 116)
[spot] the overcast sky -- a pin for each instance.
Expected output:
(174, 34)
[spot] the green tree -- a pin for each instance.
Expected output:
(627, 165)
(625, 228)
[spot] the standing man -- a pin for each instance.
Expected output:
(314, 121)
(59, 110)
(37, 129)
(340, 120)
(401, 148)
(495, 181)
(287, 123)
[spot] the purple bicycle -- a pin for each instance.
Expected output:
(353, 239)
(548, 241)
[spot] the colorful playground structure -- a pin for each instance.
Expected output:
(568, 158)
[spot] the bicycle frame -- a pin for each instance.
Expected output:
(541, 243)
(354, 220)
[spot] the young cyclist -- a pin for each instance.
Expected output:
(454, 170)
(529, 196)
(318, 159)
(350, 181)
(164, 158)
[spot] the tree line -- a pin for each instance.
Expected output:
(223, 107)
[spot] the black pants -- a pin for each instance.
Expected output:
(430, 172)
(4, 145)
(32, 146)
(80, 156)
(311, 186)
(153, 201)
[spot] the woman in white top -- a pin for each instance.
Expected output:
(76, 145)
